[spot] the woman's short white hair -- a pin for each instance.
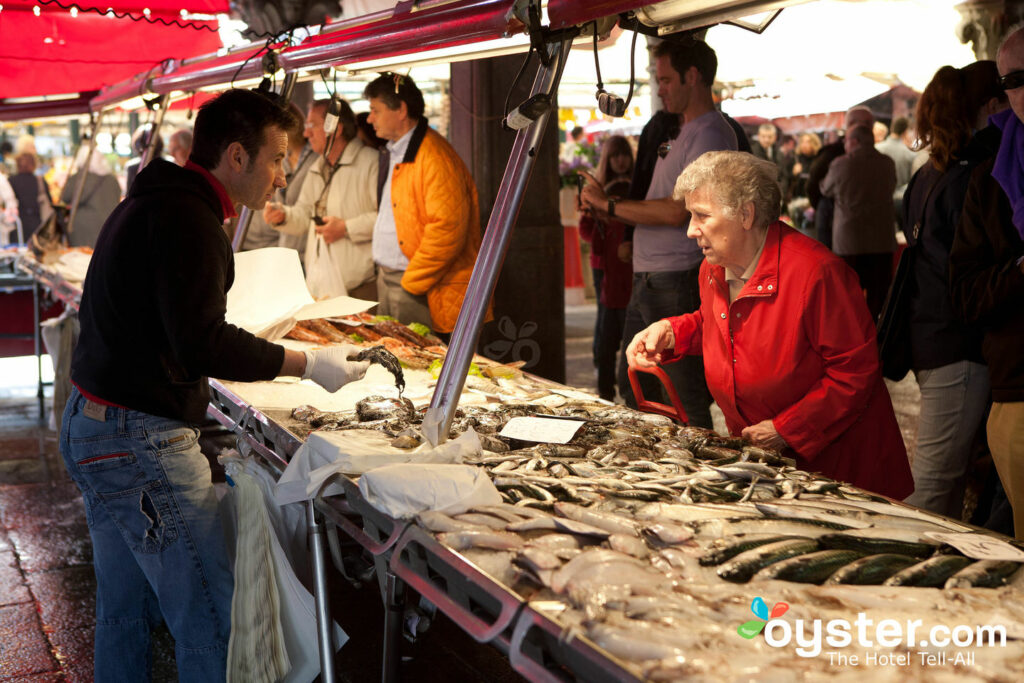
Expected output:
(735, 178)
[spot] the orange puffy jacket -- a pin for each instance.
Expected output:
(437, 219)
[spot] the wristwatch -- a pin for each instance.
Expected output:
(611, 205)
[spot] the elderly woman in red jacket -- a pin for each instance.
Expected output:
(789, 346)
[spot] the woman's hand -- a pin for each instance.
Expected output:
(332, 230)
(645, 351)
(763, 434)
(593, 196)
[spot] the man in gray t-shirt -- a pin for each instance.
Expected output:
(665, 260)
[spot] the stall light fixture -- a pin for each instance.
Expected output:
(512, 45)
(672, 16)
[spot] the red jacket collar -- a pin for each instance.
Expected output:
(225, 201)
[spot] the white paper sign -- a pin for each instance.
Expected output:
(543, 429)
(979, 546)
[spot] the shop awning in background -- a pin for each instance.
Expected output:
(60, 51)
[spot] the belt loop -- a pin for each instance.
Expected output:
(122, 419)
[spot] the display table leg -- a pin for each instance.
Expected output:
(314, 523)
(393, 610)
(38, 346)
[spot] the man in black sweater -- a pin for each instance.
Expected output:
(152, 331)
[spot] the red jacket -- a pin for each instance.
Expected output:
(798, 347)
(605, 238)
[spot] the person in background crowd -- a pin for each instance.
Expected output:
(613, 275)
(6, 150)
(572, 143)
(179, 145)
(894, 148)
(807, 147)
(767, 147)
(665, 260)
(861, 183)
(366, 133)
(140, 141)
(824, 207)
(10, 210)
(880, 131)
(427, 234)
(986, 266)
(100, 195)
(788, 344)
(300, 159)
(336, 209)
(34, 202)
(128, 437)
(946, 353)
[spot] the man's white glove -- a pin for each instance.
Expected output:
(332, 369)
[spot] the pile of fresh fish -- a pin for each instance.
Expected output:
(653, 537)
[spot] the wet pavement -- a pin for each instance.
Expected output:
(47, 584)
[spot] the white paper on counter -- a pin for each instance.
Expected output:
(979, 546)
(541, 429)
(356, 451)
(73, 265)
(404, 491)
(269, 294)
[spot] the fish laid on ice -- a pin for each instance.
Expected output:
(550, 523)
(482, 519)
(983, 574)
(586, 562)
(933, 572)
(808, 568)
(482, 538)
(742, 567)
(628, 544)
(438, 522)
(880, 541)
(871, 570)
(724, 549)
(611, 523)
(798, 512)
(667, 533)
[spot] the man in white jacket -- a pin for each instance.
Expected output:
(337, 207)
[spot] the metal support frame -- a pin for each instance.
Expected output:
(314, 524)
(393, 606)
(154, 132)
(245, 216)
(491, 257)
(84, 172)
(37, 344)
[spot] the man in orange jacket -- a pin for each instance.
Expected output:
(427, 233)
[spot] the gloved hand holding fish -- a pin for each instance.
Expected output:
(334, 367)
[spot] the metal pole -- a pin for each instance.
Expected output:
(154, 132)
(245, 215)
(83, 172)
(36, 320)
(323, 610)
(489, 261)
(392, 627)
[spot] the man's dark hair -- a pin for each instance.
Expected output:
(684, 53)
(900, 125)
(6, 147)
(346, 118)
(393, 89)
(236, 116)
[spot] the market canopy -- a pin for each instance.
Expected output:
(49, 47)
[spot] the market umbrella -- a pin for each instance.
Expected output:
(50, 47)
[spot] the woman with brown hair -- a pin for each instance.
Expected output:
(952, 122)
(613, 272)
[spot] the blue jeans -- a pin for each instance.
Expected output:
(953, 402)
(158, 546)
(656, 296)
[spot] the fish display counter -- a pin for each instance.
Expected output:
(628, 547)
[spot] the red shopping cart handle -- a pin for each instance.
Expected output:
(675, 411)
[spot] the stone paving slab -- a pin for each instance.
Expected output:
(34, 504)
(24, 649)
(13, 588)
(43, 547)
(66, 597)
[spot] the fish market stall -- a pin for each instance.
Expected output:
(629, 547)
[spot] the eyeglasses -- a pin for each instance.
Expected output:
(663, 149)
(1012, 80)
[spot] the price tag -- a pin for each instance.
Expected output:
(544, 430)
(979, 546)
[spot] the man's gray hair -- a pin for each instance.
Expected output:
(733, 179)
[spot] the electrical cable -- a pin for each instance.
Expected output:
(205, 26)
(515, 82)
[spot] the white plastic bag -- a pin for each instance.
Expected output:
(408, 489)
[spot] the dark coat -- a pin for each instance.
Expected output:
(153, 304)
(987, 282)
(937, 335)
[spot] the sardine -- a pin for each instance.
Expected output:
(933, 572)
(611, 523)
(871, 570)
(724, 549)
(483, 538)
(877, 542)
(808, 568)
(983, 574)
(742, 567)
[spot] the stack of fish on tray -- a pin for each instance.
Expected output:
(412, 348)
(639, 528)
